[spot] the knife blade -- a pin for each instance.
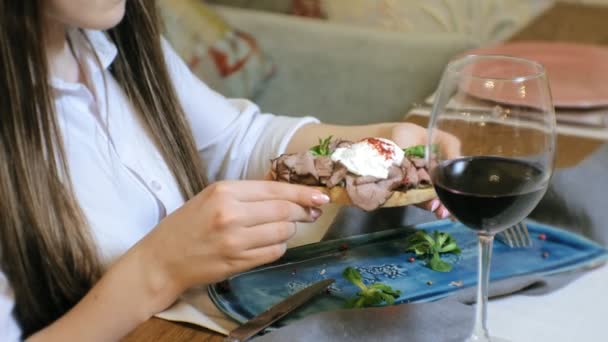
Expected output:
(277, 311)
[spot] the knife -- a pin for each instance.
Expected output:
(276, 312)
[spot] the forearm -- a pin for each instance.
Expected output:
(309, 135)
(123, 298)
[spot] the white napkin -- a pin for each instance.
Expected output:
(576, 312)
(196, 307)
(587, 123)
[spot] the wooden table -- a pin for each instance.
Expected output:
(564, 22)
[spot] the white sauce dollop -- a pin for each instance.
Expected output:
(369, 157)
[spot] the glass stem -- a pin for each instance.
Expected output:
(480, 328)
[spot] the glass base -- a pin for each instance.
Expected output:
(486, 339)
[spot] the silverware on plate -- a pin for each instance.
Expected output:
(276, 312)
(516, 236)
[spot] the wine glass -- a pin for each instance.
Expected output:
(500, 111)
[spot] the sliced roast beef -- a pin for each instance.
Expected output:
(418, 162)
(337, 176)
(304, 180)
(368, 196)
(339, 143)
(368, 193)
(280, 170)
(296, 168)
(411, 178)
(324, 166)
(365, 179)
(406, 164)
(394, 179)
(424, 179)
(302, 164)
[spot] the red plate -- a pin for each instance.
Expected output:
(577, 73)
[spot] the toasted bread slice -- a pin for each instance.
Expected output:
(339, 195)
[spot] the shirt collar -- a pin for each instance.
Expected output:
(103, 46)
(86, 43)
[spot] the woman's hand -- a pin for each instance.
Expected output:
(407, 134)
(230, 227)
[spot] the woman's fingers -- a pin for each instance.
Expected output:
(436, 207)
(253, 191)
(442, 212)
(450, 145)
(257, 213)
(407, 134)
(264, 255)
(267, 234)
(431, 205)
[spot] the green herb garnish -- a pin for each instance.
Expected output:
(323, 148)
(418, 151)
(373, 294)
(431, 247)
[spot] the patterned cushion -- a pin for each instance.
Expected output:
(226, 59)
(276, 6)
(307, 8)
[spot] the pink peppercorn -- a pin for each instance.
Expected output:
(411, 259)
(542, 237)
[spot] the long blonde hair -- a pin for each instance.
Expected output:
(46, 250)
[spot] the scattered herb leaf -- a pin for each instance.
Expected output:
(374, 294)
(322, 149)
(418, 151)
(431, 248)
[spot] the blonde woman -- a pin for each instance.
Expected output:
(122, 176)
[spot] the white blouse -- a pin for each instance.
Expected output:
(120, 180)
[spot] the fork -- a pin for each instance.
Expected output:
(516, 236)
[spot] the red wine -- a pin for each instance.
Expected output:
(489, 193)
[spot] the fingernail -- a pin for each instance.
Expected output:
(445, 213)
(435, 204)
(320, 199)
(315, 213)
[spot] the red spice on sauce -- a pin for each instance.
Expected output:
(385, 149)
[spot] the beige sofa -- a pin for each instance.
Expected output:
(344, 74)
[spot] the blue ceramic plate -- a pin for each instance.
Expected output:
(381, 257)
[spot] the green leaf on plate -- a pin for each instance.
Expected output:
(431, 247)
(374, 294)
